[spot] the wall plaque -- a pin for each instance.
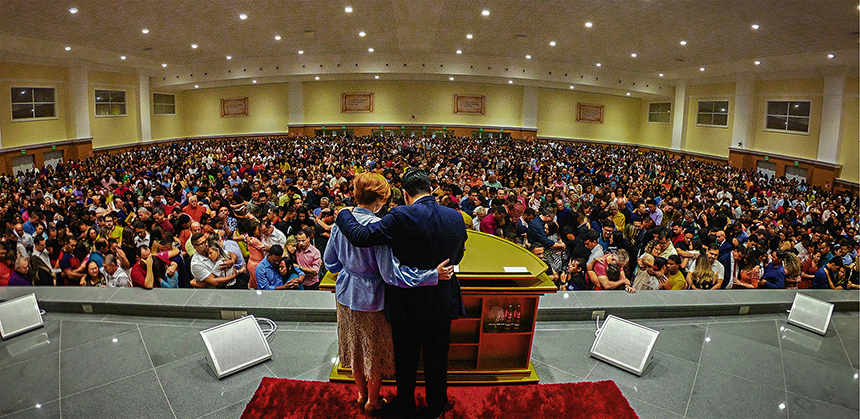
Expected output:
(356, 103)
(470, 104)
(589, 113)
(236, 106)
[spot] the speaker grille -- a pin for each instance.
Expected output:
(19, 315)
(236, 345)
(810, 313)
(624, 344)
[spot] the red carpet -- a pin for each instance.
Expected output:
(279, 398)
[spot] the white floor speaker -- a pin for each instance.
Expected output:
(810, 313)
(234, 346)
(624, 344)
(19, 315)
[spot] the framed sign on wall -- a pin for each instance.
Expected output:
(356, 103)
(470, 104)
(586, 112)
(236, 106)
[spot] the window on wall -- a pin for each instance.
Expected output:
(713, 114)
(110, 103)
(791, 117)
(33, 103)
(164, 104)
(660, 112)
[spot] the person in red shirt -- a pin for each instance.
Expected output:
(142, 274)
(5, 270)
(193, 209)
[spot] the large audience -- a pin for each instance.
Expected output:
(257, 213)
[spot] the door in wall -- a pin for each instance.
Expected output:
(794, 172)
(22, 163)
(767, 168)
(53, 157)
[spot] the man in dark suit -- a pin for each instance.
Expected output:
(422, 234)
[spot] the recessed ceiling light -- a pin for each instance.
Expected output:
(376, 77)
(510, 82)
(451, 78)
(194, 46)
(243, 16)
(469, 36)
(145, 31)
(317, 78)
(757, 62)
(68, 48)
(598, 64)
(588, 24)
(661, 74)
(196, 86)
(633, 55)
(301, 52)
(122, 57)
(552, 43)
(361, 33)
(701, 68)
(277, 37)
(755, 26)
(571, 87)
(253, 81)
(528, 57)
(229, 57)
(164, 64)
(831, 56)
(347, 9)
(370, 50)
(485, 13)
(73, 10)
(683, 43)
(459, 51)
(628, 93)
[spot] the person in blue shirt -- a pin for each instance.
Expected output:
(100, 247)
(827, 274)
(774, 273)
(537, 230)
(268, 270)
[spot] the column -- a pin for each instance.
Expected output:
(830, 138)
(679, 120)
(297, 105)
(79, 90)
(743, 114)
(530, 107)
(144, 108)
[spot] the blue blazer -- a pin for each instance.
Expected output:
(421, 235)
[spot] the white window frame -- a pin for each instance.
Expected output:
(154, 104)
(698, 105)
(110, 104)
(669, 113)
(12, 91)
(787, 131)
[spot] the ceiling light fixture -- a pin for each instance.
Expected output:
(510, 82)
(196, 86)
(122, 57)
(253, 81)
(661, 74)
(229, 57)
(588, 24)
(634, 55)
(628, 93)
(73, 10)
(528, 57)
(317, 78)
(376, 77)
(348, 9)
(68, 48)
(552, 43)
(683, 43)
(164, 64)
(598, 64)
(193, 46)
(370, 50)
(277, 37)
(459, 51)
(831, 56)
(701, 68)
(571, 87)
(243, 16)
(757, 62)
(468, 36)
(361, 33)
(485, 12)
(451, 78)
(755, 26)
(301, 52)
(145, 31)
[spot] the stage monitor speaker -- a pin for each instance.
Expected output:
(235, 345)
(19, 315)
(810, 313)
(624, 344)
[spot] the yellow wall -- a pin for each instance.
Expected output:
(797, 145)
(114, 130)
(268, 110)
(557, 116)
(395, 102)
(22, 133)
(709, 140)
(167, 126)
(652, 133)
(849, 154)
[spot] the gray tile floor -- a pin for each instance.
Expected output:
(82, 366)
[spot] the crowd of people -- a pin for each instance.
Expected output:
(259, 213)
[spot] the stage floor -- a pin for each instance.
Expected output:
(84, 366)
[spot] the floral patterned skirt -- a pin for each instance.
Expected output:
(364, 341)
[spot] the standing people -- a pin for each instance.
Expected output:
(422, 234)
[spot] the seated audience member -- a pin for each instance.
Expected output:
(674, 274)
(115, 276)
(827, 276)
(20, 277)
(702, 277)
(773, 276)
(607, 272)
(94, 277)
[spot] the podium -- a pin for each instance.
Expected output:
(494, 273)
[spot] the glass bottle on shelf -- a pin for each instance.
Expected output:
(509, 317)
(517, 316)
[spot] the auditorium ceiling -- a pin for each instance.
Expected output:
(613, 46)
